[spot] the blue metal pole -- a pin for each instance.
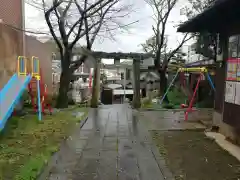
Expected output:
(39, 101)
(22, 66)
(210, 81)
(169, 87)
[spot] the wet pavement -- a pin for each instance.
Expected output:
(167, 120)
(112, 145)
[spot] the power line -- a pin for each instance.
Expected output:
(23, 30)
(37, 7)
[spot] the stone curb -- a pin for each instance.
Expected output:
(183, 129)
(160, 160)
(164, 109)
(43, 174)
(152, 109)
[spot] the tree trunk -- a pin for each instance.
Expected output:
(163, 85)
(62, 100)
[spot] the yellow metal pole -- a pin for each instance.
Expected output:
(24, 73)
(197, 69)
(18, 65)
(36, 74)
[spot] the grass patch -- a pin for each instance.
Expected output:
(176, 97)
(27, 144)
(190, 155)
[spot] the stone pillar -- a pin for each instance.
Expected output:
(136, 83)
(96, 85)
(116, 60)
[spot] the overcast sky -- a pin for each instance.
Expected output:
(125, 42)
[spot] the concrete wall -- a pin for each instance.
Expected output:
(11, 12)
(10, 49)
(228, 131)
(11, 44)
(44, 53)
(10, 39)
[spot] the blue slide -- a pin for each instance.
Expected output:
(10, 95)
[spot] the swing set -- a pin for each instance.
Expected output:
(181, 71)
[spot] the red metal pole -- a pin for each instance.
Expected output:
(191, 87)
(194, 94)
(181, 79)
(31, 95)
(184, 80)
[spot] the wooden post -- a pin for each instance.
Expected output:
(96, 85)
(136, 84)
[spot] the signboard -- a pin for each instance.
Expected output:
(237, 93)
(238, 70)
(230, 91)
(232, 65)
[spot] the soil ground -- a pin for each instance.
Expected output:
(190, 155)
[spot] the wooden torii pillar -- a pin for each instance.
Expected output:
(96, 85)
(136, 84)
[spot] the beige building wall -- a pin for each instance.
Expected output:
(44, 53)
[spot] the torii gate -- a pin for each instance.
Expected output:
(98, 55)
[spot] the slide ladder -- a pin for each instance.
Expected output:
(32, 89)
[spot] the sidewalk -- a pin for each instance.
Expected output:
(111, 145)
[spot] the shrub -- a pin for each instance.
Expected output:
(176, 96)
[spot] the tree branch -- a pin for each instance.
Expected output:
(47, 18)
(172, 53)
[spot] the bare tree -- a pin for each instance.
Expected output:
(162, 10)
(72, 21)
(150, 46)
(197, 6)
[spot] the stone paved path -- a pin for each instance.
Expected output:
(112, 145)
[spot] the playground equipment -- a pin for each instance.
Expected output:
(13, 90)
(32, 88)
(201, 72)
